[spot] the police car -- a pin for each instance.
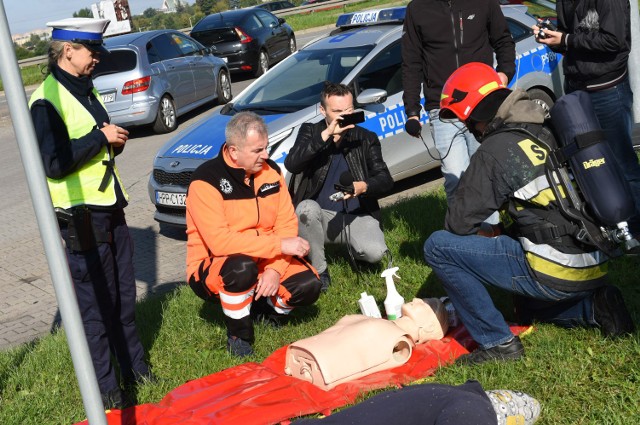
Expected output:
(364, 53)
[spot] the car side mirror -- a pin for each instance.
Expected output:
(281, 21)
(372, 96)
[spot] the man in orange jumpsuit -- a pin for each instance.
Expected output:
(243, 245)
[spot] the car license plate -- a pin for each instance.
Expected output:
(171, 199)
(108, 97)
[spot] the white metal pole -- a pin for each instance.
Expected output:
(49, 232)
(634, 60)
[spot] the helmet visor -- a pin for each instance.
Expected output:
(447, 115)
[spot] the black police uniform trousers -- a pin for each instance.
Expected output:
(105, 287)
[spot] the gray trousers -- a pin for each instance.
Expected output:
(318, 226)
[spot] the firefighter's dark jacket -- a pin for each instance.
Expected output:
(439, 36)
(507, 173)
(598, 43)
(309, 159)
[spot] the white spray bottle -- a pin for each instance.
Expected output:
(393, 302)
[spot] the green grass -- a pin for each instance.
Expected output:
(579, 377)
(32, 74)
(328, 17)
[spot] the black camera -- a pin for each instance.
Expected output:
(545, 24)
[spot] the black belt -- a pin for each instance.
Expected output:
(81, 229)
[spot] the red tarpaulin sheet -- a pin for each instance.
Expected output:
(261, 394)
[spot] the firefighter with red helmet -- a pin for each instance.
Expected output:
(549, 269)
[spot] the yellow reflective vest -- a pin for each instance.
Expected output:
(82, 186)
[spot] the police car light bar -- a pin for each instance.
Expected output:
(371, 17)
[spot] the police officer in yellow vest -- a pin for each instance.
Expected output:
(78, 147)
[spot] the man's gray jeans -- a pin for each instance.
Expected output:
(318, 226)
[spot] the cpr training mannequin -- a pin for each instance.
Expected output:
(424, 319)
(358, 345)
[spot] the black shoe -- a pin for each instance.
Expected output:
(239, 347)
(115, 399)
(611, 313)
(325, 279)
(511, 350)
(138, 378)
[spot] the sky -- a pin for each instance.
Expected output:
(28, 15)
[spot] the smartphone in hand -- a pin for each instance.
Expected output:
(354, 118)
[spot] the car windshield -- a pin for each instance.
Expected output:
(296, 83)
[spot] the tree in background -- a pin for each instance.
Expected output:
(247, 3)
(83, 13)
(207, 6)
(170, 22)
(36, 45)
(21, 52)
(149, 13)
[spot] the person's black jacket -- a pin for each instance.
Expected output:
(439, 36)
(308, 161)
(597, 44)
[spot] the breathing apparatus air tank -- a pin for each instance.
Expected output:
(607, 195)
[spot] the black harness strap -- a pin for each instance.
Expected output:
(109, 164)
(580, 142)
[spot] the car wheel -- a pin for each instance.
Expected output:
(292, 45)
(263, 64)
(166, 120)
(224, 88)
(542, 98)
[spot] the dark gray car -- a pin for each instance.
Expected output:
(249, 40)
(153, 77)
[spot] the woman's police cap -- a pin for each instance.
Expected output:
(85, 31)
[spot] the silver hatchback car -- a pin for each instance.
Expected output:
(153, 77)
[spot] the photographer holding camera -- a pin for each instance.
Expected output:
(338, 175)
(595, 38)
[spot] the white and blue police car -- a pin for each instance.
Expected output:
(364, 53)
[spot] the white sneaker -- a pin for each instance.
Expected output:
(514, 407)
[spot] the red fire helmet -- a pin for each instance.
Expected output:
(465, 88)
